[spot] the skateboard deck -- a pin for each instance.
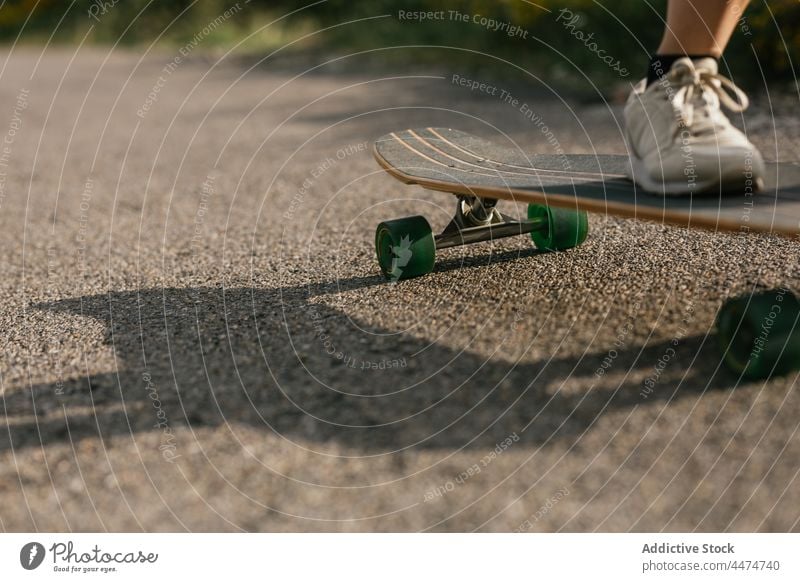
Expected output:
(559, 191)
(453, 161)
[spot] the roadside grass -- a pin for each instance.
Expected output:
(582, 44)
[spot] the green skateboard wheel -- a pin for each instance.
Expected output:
(760, 334)
(405, 247)
(564, 228)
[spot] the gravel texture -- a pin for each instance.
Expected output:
(195, 335)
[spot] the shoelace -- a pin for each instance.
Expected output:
(693, 81)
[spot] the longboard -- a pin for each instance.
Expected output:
(453, 161)
(559, 191)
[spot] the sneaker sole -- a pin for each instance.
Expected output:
(733, 182)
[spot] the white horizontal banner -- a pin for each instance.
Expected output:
(401, 557)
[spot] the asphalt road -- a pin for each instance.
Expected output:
(195, 335)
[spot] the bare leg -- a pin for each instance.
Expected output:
(700, 27)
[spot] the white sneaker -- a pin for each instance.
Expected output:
(679, 140)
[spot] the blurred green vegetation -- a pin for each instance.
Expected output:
(766, 43)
